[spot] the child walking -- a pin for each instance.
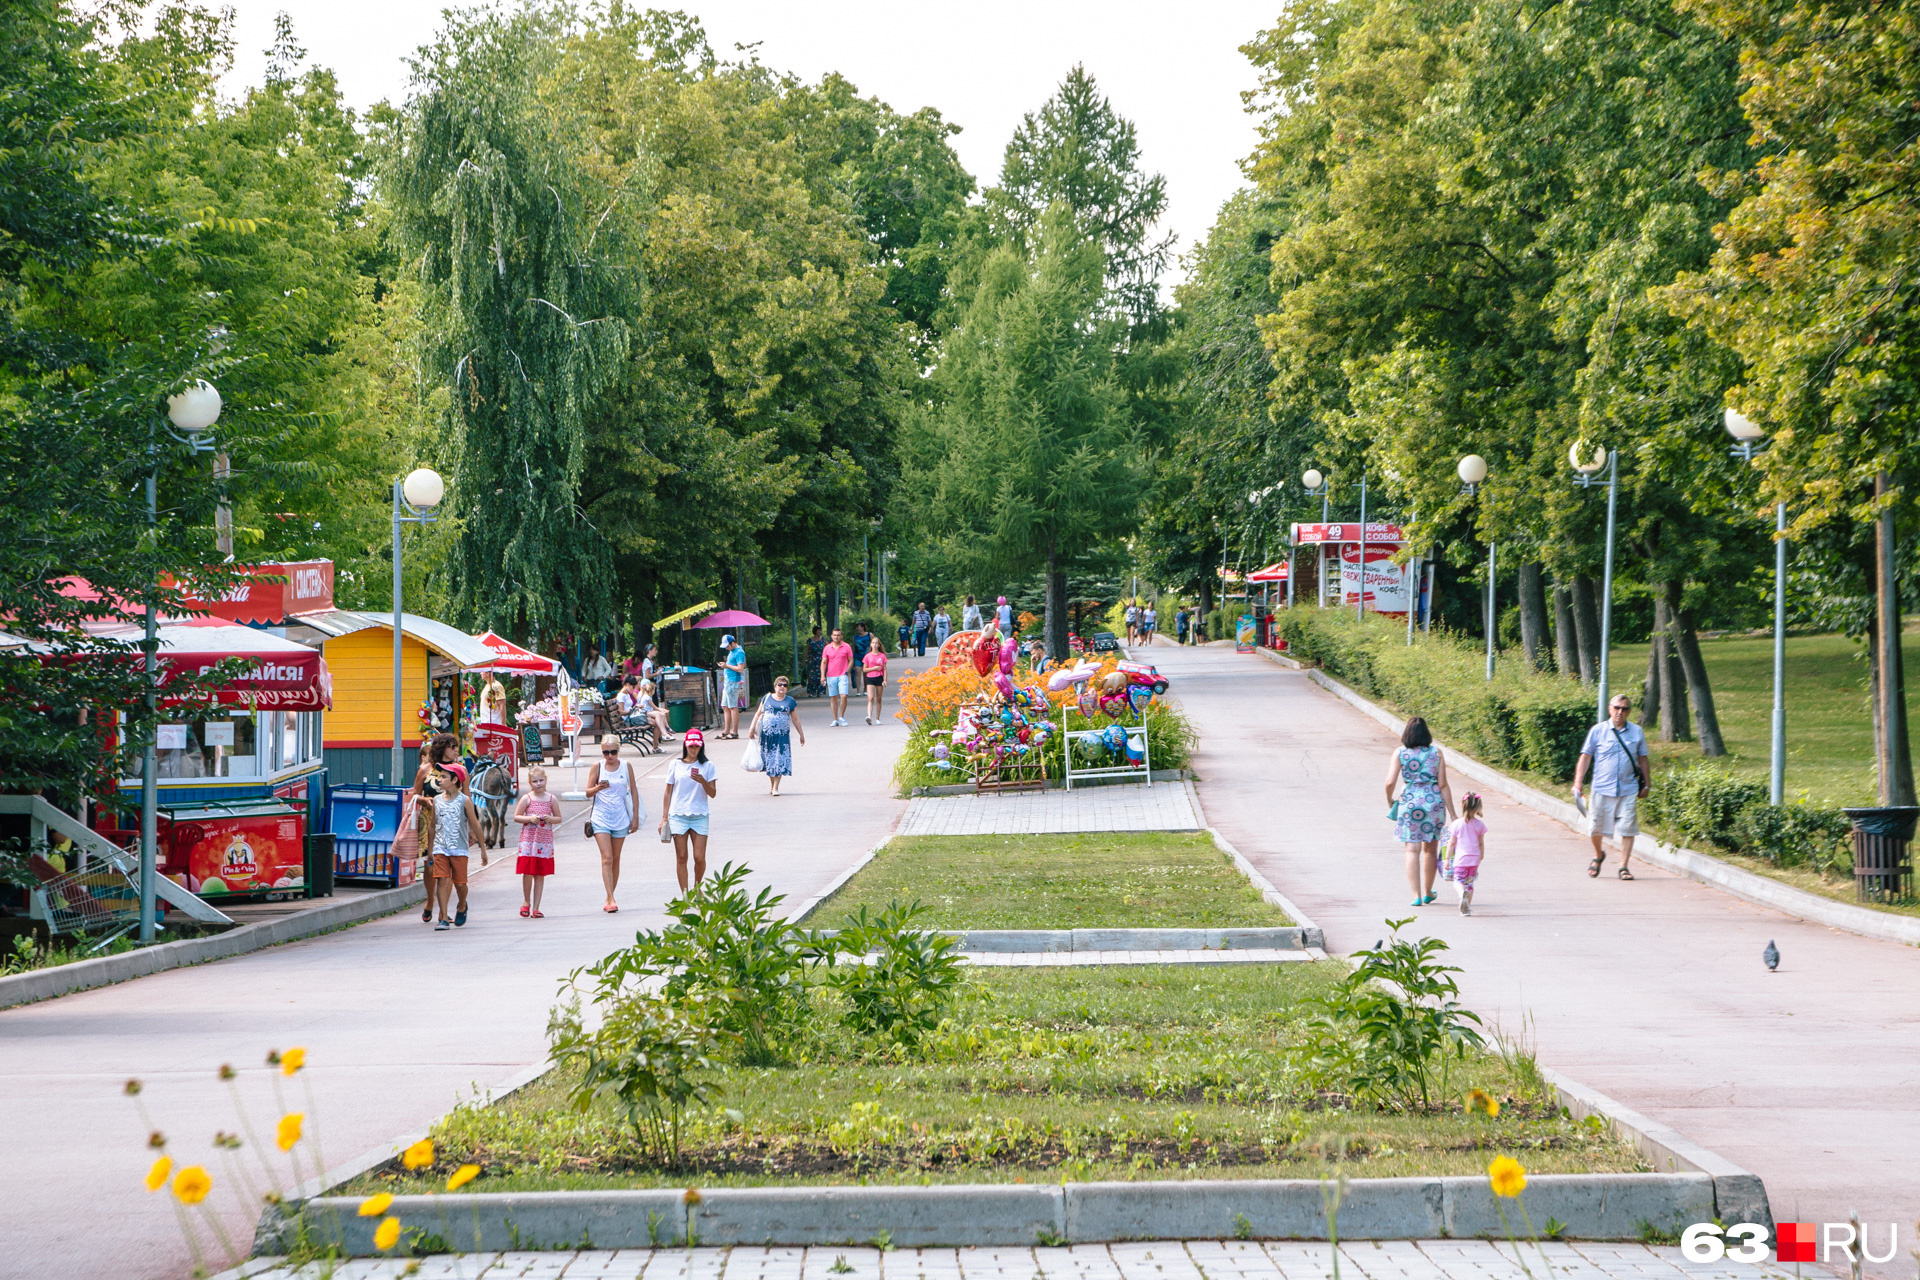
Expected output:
(449, 827)
(1468, 836)
(538, 814)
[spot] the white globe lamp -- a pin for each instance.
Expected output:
(195, 409)
(423, 488)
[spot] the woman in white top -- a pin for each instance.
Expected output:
(691, 782)
(616, 813)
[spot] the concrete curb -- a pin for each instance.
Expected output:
(1059, 784)
(1703, 868)
(1313, 936)
(812, 904)
(1591, 1206)
(1740, 1196)
(82, 975)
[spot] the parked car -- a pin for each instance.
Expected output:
(1106, 642)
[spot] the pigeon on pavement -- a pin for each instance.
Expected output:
(1771, 955)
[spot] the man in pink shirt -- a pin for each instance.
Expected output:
(836, 667)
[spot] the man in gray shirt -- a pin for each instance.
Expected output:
(1616, 753)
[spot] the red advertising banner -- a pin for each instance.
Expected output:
(307, 588)
(1385, 534)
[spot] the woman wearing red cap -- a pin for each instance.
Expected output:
(691, 783)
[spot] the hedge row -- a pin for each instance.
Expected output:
(1521, 719)
(1706, 804)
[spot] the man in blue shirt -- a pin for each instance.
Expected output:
(922, 623)
(1616, 753)
(733, 698)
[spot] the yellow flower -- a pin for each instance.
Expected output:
(292, 1060)
(374, 1206)
(1507, 1177)
(462, 1176)
(1481, 1100)
(419, 1155)
(157, 1176)
(191, 1184)
(289, 1132)
(387, 1234)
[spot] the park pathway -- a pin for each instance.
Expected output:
(399, 1021)
(1651, 991)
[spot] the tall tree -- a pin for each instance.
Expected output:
(1815, 282)
(1079, 152)
(1030, 452)
(527, 303)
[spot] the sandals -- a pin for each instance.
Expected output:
(1593, 868)
(525, 911)
(1624, 874)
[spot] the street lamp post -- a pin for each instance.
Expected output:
(1473, 473)
(414, 499)
(1316, 486)
(1588, 479)
(192, 411)
(1748, 437)
(1361, 593)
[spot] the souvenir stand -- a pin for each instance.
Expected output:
(234, 777)
(1360, 561)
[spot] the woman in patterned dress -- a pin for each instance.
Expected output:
(1426, 805)
(779, 712)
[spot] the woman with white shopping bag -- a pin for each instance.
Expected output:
(769, 751)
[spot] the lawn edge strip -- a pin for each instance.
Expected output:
(1703, 868)
(84, 975)
(1593, 1206)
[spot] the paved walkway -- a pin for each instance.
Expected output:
(1651, 991)
(1133, 806)
(1146, 1260)
(398, 1021)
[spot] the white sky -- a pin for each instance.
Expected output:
(1175, 70)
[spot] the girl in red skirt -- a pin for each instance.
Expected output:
(538, 814)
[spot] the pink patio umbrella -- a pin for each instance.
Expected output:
(732, 618)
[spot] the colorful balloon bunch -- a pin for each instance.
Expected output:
(999, 727)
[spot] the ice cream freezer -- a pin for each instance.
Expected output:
(235, 850)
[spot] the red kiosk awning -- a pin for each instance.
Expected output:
(508, 656)
(281, 675)
(1275, 572)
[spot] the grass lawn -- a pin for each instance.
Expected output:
(1121, 879)
(1038, 1075)
(1829, 731)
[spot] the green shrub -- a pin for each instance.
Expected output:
(1522, 718)
(1795, 835)
(727, 952)
(1390, 1024)
(1707, 804)
(913, 978)
(651, 1058)
(1702, 803)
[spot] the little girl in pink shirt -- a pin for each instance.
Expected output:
(1468, 837)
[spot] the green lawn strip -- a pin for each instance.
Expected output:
(1038, 1075)
(1829, 728)
(1092, 880)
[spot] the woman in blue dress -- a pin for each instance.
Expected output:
(1425, 805)
(779, 714)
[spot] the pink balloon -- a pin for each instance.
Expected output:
(1008, 648)
(1003, 684)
